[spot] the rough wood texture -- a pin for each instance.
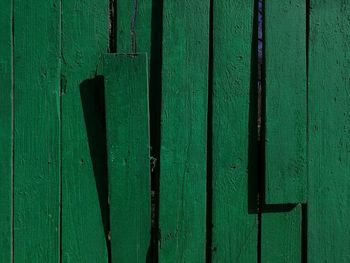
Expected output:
(6, 117)
(281, 236)
(37, 130)
(133, 23)
(235, 229)
(329, 127)
(126, 89)
(285, 146)
(84, 159)
(183, 131)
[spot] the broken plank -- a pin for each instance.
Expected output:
(127, 121)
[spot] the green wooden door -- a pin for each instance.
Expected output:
(174, 131)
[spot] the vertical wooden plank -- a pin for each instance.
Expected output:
(285, 144)
(329, 126)
(6, 120)
(84, 168)
(37, 130)
(281, 236)
(126, 85)
(182, 216)
(133, 23)
(235, 227)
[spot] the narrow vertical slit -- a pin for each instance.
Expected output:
(133, 28)
(209, 212)
(60, 138)
(304, 233)
(304, 225)
(13, 135)
(112, 27)
(155, 97)
(261, 126)
(112, 49)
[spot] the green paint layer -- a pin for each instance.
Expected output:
(133, 23)
(235, 226)
(183, 131)
(37, 130)
(84, 158)
(6, 115)
(329, 130)
(281, 236)
(285, 144)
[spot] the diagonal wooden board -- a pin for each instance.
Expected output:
(127, 122)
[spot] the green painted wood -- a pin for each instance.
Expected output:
(134, 25)
(37, 131)
(329, 126)
(182, 218)
(286, 116)
(6, 119)
(85, 215)
(235, 227)
(281, 236)
(127, 118)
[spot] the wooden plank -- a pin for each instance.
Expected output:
(235, 226)
(6, 119)
(329, 126)
(281, 236)
(182, 216)
(37, 130)
(134, 25)
(127, 118)
(285, 144)
(85, 214)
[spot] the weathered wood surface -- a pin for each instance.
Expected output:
(37, 130)
(329, 126)
(84, 160)
(134, 26)
(127, 121)
(286, 97)
(183, 174)
(235, 226)
(281, 236)
(6, 118)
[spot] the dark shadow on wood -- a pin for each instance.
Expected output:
(92, 99)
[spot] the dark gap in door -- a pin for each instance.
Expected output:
(260, 135)
(155, 97)
(209, 212)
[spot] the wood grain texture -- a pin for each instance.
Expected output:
(235, 228)
(37, 130)
(329, 130)
(6, 119)
(286, 116)
(84, 159)
(133, 23)
(127, 121)
(182, 216)
(281, 236)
